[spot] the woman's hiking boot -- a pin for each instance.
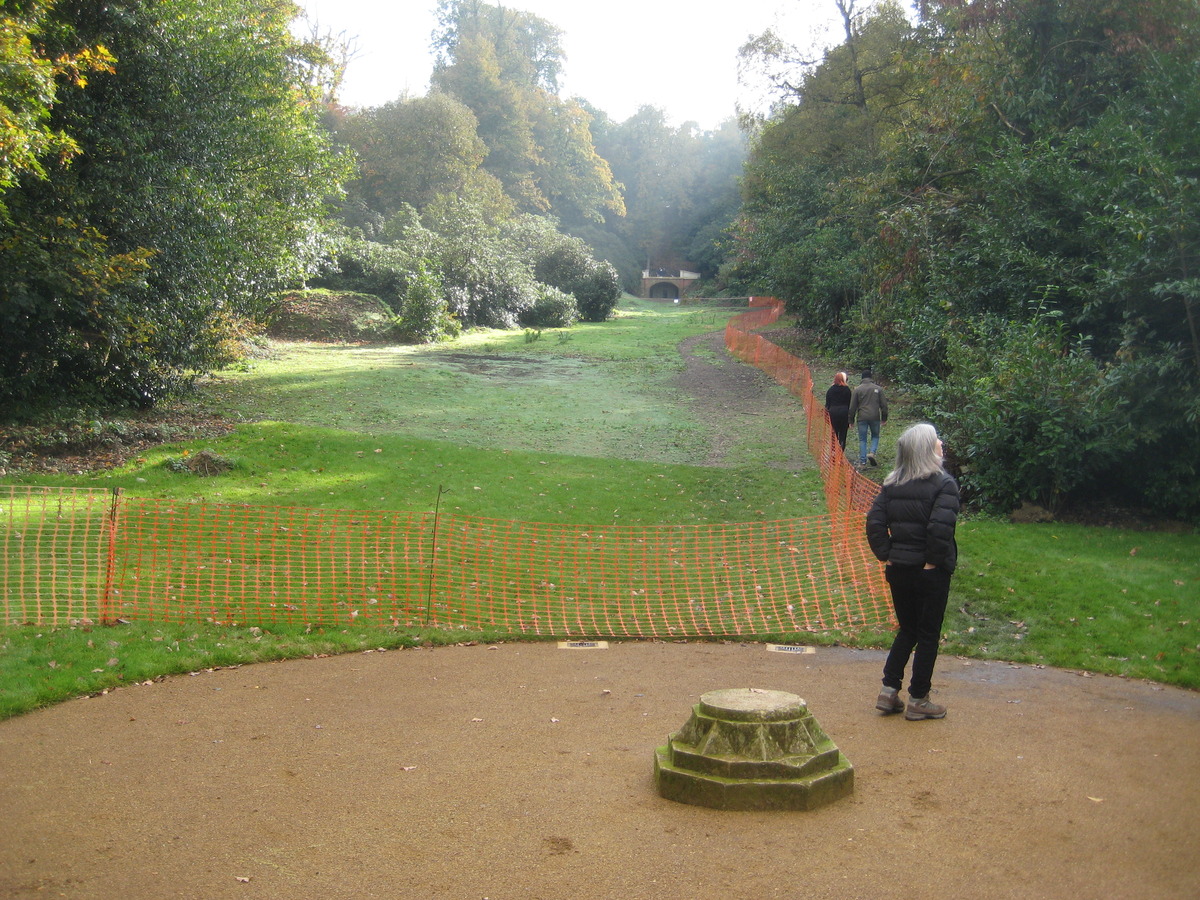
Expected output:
(923, 708)
(889, 701)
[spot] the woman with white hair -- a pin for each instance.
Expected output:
(910, 526)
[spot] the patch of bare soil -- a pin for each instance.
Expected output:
(495, 365)
(730, 397)
(331, 316)
(518, 771)
(82, 447)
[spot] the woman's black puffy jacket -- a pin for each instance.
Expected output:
(912, 524)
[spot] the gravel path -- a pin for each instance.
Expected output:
(524, 771)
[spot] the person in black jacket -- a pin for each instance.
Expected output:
(910, 526)
(837, 404)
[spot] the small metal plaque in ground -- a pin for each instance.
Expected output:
(752, 749)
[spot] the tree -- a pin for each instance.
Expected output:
(410, 151)
(929, 188)
(808, 207)
(576, 181)
(527, 48)
(197, 192)
(28, 88)
(504, 65)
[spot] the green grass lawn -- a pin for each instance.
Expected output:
(286, 464)
(583, 427)
(596, 390)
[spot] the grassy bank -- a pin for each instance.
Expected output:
(285, 464)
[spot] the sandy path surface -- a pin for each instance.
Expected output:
(524, 771)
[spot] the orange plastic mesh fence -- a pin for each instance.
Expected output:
(180, 561)
(846, 489)
(55, 552)
(745, 579)
(79, 554)
(251, 564)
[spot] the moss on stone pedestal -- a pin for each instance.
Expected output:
(752, 749)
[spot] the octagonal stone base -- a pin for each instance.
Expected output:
(752, 749)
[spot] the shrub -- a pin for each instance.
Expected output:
(570, 268)
(551, 309)
(598, 292)
(425, 316)
(1026, 415)
(366, 267)
(566, 263)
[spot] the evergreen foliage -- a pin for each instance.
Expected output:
(424, 314)
(200, 176)
(551, 309)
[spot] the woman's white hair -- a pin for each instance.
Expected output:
(917, 455)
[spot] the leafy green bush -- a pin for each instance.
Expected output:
(566, 263)
(1162, 469)
(552, 309)
(571, 268)
(368, 267)
(1026, 415)
(524, 272)
(902, 334)
(495, 295)
(424, 315)
(598, 292)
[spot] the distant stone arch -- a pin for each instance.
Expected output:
(667, 284)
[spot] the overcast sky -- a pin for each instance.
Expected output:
(620, 54)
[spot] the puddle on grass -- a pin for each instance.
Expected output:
(510, 366)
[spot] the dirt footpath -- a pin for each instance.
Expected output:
(520, 771)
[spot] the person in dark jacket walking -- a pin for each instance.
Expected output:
(910, 526)
(837, 404)
(868, 404)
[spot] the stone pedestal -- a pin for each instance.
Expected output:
(752, 749)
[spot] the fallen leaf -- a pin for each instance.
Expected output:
(1096, 799)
